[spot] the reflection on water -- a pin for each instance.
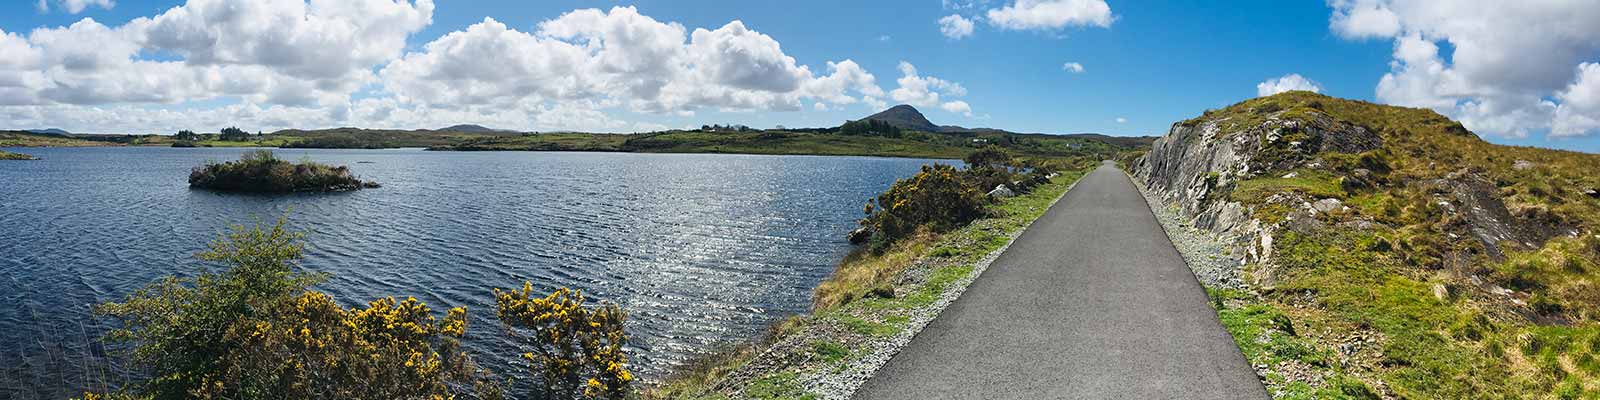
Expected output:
(700, 249)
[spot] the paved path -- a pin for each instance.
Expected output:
(1092, 302)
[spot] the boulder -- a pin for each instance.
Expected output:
(1327, 205)
(1001, 191)
(860, 235)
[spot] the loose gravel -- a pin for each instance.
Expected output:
(1207, 255)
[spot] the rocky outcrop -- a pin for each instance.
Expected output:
(1200, 161)
(1189, 165)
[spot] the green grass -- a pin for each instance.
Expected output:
(1313, 183)
(830, 351)
(779, 386)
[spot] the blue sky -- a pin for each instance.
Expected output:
(1153, 63)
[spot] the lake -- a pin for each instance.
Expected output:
(699, 249)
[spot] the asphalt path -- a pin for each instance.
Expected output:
(1092, 302)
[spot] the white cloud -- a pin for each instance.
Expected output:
(1579, 112)
(955, 26)
(1051, 15)
(958, 107)
(272, 64)
(1286, 83)
(619, 57)
(1122, 120)
(270, 52)
(1072, 67)
(1363, 19)
(1508, 67)
(75, 6)
(923, 91)
(884, 38)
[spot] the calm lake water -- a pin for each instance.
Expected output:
(699, 249)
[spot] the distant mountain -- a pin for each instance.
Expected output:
(50, 131)
(905, 117)
(470, 128)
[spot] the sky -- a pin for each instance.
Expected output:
(1525, 73)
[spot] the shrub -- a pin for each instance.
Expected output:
(260, 171)
(576, 350)
(256, 330)
(938, 197)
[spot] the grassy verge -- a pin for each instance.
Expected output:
(869, 300)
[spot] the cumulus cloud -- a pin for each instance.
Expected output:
(1508, 69)
(619, 57)
(300, 63)
(928, 91)
(271, 52)
(1122, 120)
(1072, 67)
(1286, 83)
(958, 107)
(1051, 15)
(955, 26)
(1579, 112)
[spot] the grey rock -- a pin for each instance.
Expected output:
(1001, 191)
(1327, 205)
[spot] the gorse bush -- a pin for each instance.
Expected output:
(262, 172)
(256, 330)
(939, 197)
(576, 350)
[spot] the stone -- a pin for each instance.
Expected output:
(860, 235)
(1327, 205)
(1522, 165)
(1001, 191)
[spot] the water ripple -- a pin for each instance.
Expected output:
(700, 249)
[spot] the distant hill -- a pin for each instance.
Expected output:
(470, 128)
(50, 131)
(905, 117)
(909, 118)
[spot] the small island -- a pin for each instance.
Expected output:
(260, 171)
(6, 155)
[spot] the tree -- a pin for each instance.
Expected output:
(186, 135)
(869, 127)
(234, 134)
